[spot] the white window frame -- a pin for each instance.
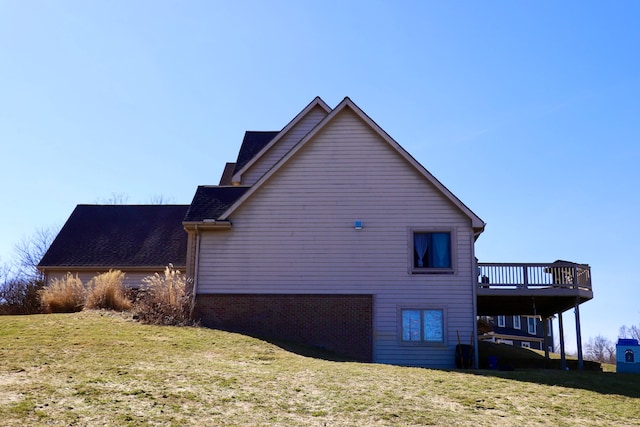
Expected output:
(516, 322)
(432, 270)
(532, 321)
(422, 341)
(501, 321)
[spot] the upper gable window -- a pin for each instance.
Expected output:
(431, 251)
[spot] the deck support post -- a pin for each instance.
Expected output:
(563, 356)
(578, 336)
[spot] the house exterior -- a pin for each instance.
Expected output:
(139, 240)
(521, 331)
(330, 233)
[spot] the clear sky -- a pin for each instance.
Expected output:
(528, 111)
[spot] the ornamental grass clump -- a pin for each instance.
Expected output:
(106, 291)
(63, 295)
(165, 299)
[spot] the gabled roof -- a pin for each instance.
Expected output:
(252, 143)
(120, 236)
(240, 168)
(210, 201)
(476, 222)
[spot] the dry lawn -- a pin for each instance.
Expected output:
(99, 368)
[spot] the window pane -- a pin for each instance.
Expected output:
(433, 325)
(411, 325)
(440, 251)
(420, 245)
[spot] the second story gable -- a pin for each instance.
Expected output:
(347, 150)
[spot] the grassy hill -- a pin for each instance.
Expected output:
(96, 368)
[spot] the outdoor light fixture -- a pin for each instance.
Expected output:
(357, 224)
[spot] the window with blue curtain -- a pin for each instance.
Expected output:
(431, 250)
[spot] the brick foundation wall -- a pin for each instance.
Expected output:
(338, 323)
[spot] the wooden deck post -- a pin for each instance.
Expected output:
(563, 356)
(578, 335)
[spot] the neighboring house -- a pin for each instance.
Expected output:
(521, 331)
(139, 240)
(329, 233)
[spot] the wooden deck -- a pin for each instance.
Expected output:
(532, 288)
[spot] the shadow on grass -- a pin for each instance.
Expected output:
(309, 351)
(295, 347)
(598, 382)
(527, 366)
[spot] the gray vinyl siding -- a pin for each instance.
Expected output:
(296, 235)
(293, 136)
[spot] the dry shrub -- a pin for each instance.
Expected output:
(165, 299)
(63, 295)
(107, 291)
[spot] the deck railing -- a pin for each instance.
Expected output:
(534, 276)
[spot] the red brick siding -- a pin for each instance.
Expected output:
(338, 323)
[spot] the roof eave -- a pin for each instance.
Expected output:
(207, 224)
(96, 268)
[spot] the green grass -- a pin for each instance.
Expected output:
(94, 368)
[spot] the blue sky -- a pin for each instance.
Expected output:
(527, 111)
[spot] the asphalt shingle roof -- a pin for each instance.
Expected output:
(120, 236)
(252, 143)
(210, 202)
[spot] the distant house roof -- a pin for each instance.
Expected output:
(253, 142)
(120, 236)
(210, 202)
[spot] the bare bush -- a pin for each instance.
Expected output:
(63, 295)
(107, 291)
(20, 296)
(165, 299)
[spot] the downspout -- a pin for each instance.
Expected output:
(474, 286)
(196, 270)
